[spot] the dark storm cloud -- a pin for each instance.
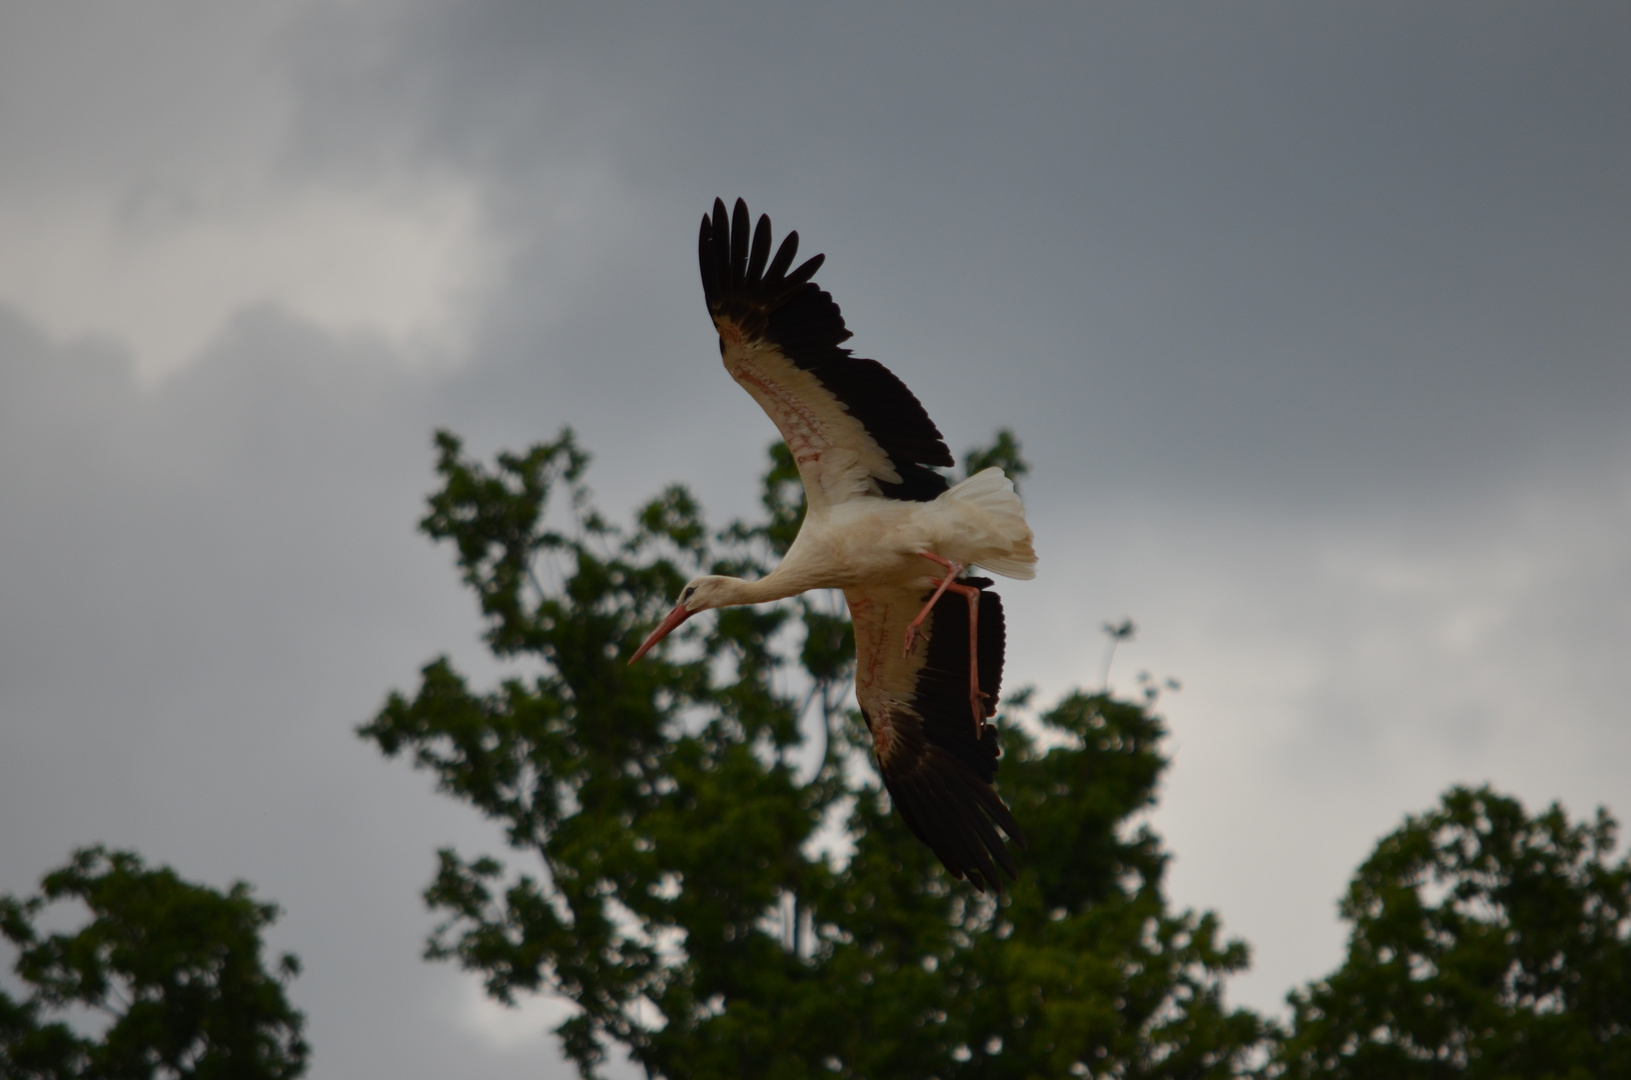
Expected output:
(1312, 321)
(1291, 252)
(1325, 291)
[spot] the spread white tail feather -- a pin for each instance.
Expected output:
(1009, 551)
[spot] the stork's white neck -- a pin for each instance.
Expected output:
(731, 591)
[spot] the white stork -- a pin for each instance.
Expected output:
(884, 527)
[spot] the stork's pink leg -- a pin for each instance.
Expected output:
(952, 570)
(976, 696)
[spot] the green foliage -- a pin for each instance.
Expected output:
(1004, 452)
(1485, 944)
(176, 967)
(672, 882)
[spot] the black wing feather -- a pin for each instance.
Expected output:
(944, 790)
(801, 320)
(761, 248)
(784, 254)
(739, 244)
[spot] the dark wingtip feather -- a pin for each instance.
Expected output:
(721, 253)
(710, 284)
(739, 244)
(941, 804)
(766, 301)
(761, 249)
(784, 258)
(806, 271)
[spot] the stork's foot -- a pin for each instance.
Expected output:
(978, 701)
(952, 570)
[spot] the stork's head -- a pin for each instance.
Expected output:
(707, 591)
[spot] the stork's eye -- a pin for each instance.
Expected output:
(686, 595)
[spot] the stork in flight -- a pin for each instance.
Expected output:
(884, 527)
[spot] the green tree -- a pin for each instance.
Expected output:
(675, 878)
(1004, 452)
(174, 967)
(1485, 944)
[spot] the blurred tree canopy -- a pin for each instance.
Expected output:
(1485, 944)
(174, 968)
(708, 869)
(702, 858)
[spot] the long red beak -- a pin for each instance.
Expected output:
(664, 628)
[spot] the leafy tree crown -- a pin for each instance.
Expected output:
(702, 859)
(1485, 943)
(175, 967)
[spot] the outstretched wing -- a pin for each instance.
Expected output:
(938, 773)
(852, 426)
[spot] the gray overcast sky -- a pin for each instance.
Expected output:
(1312, 319)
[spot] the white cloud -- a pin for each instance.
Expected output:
(523, 1025)
(154, 189)
(163, 268)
